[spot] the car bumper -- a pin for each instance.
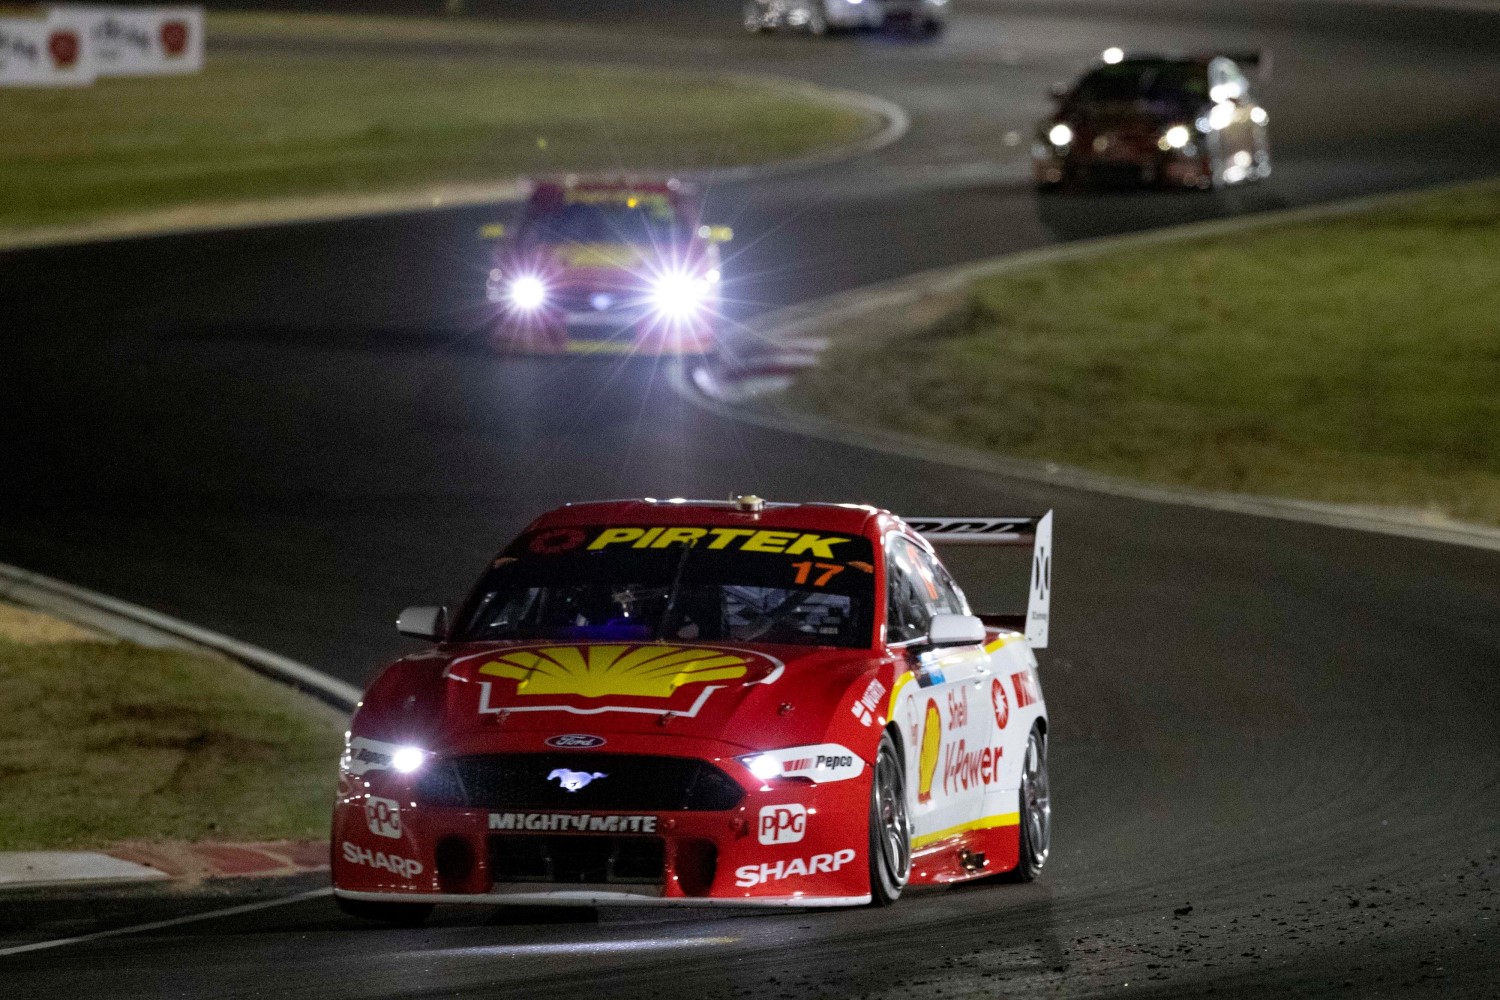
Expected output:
(1144, 168)
(815, 855)
(596, 333)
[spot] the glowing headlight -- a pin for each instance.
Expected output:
(1221, 116)
(679, 295)
(1113, 54)
(527, 293)
(1258, 115)
(1060, 135)
(765, 767)
(1177, 136)
(407, 759)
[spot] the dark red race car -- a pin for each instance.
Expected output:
(607, 266)
(1168, 122)
(696, 703)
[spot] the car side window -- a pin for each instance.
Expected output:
(944, 593)
(907, 610)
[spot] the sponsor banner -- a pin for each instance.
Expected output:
(866, 707)
(786, 824)
(50, 53)
(368, 755)
(791, 543)
(571, 823)
(749, 876)
(400, 867)
(383, 817)
(138, 41)
(819, 763)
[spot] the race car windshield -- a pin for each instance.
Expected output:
(608, 222)
(1167, 83)
(790, 587)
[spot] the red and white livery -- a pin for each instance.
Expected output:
(684, 702)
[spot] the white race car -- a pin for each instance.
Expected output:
(821, 17)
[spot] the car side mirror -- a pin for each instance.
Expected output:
(955, 630)
(423, 623)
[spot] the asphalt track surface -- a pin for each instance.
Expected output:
(1276, 755)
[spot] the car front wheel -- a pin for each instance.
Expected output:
(890, 826)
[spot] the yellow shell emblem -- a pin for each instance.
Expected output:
(927, 760)
(614, 670)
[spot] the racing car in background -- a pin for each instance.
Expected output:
(822, 17)
(1170, 122)
(688, 702)
(611, 266)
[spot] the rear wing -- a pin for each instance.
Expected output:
(1033, 531)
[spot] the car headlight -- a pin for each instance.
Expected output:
(407, 759)
(1176, 137)
(678, 295)
(527, 293)
(1220, 116)
(1060, 135)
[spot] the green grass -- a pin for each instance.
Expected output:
(1354, 360)
(263, 126)
(104, 741)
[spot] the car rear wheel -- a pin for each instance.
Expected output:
(1036, 810)
(395, 914)
(890, 826)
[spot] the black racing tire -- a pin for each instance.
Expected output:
(1035, 798)
(890, 825)
(394, 914)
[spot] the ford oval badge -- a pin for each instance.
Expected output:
(576, 741)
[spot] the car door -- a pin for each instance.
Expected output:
(942, 709)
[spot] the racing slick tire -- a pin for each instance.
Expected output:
(890, 825)
(1036, 811)
(395, 914)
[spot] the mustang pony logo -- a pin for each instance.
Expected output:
(571, 781)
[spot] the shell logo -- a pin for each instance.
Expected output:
(932, 742)
(605, 671)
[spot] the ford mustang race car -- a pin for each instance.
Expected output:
(610, 266)
(686, 702)
(1171, 122)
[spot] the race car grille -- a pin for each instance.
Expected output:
(586, 860)
(600, 782)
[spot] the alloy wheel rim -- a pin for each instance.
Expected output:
(895, 829)
(1037, 799)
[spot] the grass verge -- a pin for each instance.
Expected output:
(1355, 360)
(258, 126)
(107, 741)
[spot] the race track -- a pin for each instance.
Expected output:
(288, 434)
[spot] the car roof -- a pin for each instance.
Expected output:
(846, 519)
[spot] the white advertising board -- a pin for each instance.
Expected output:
(139, 41)
(50, 53)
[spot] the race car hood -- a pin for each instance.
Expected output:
(1126, 117)
(516, 695)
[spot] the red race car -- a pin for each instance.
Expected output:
(1172, 122)
(686, 702)
(607, 266)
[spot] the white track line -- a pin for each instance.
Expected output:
(161, 924)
